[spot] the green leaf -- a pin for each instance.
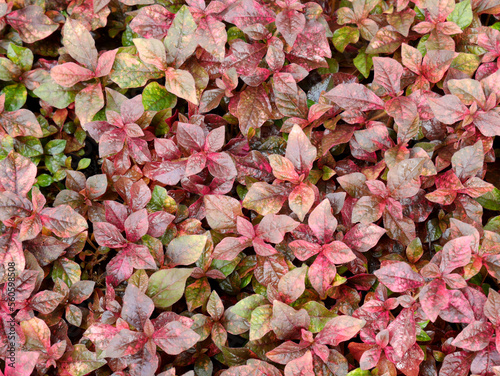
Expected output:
(156, 98)
(83, 164)
(180, 41)
(490, 200)
(56, 95)
(420, 15)
(333, 67)
(15, 96)
(364, 63)
(245, 306)
(28, 146)
(493, 224)
(54, 163)
(462, 14)
(203, 366)
(343, 36)
(69, 271)
(496, 26)
(54, 147)
(44, 180)
(6, 145)
(182, 84)
(319, 315)
(160, 200)
(423, 336)
(467, 63)
(359, 372)
(80, 362)
(8, 70)
(224, 266)
(167, 286)
(235, 33)
(129, 71)
(21, 56)
(421, 45)
(260, 322)
(186, 249)
(59, 175)
(197, 293)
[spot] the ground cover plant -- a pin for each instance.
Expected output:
(249, 187)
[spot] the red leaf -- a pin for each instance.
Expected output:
(126, 342)
(388, 73)
(304, 249)
(459, 309)
(399, 277)
(448, 109)
(20, 123)
(131, 256)
(283, 168)
(17, 174)
(211, 35)
(302, 366)
(475, 337)
(492, 307)
(402, 332)
(339, 329)
(31, 23)
(436, 63)
(338, 253)
(456, 253)
(221, 166)
(456, 364)
(152, 22)
(468, 161)
(244, 57)
(287, 322)
(355, 97)
(24, 365)
(301, 199)
(136, 225)
(287, 352)
(63, 221)
(107, 235)
(292, 285)
(434, 298)
(290, 24)
(137, 307)
(322, 222)
(273, 227)
(69, 74)
(230, 247)
(322, 274)
(174, 338)
(403, 180)
(254, 108)
(362, 237)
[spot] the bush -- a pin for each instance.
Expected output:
(250, 187)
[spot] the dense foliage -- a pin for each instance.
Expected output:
(249, 187)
